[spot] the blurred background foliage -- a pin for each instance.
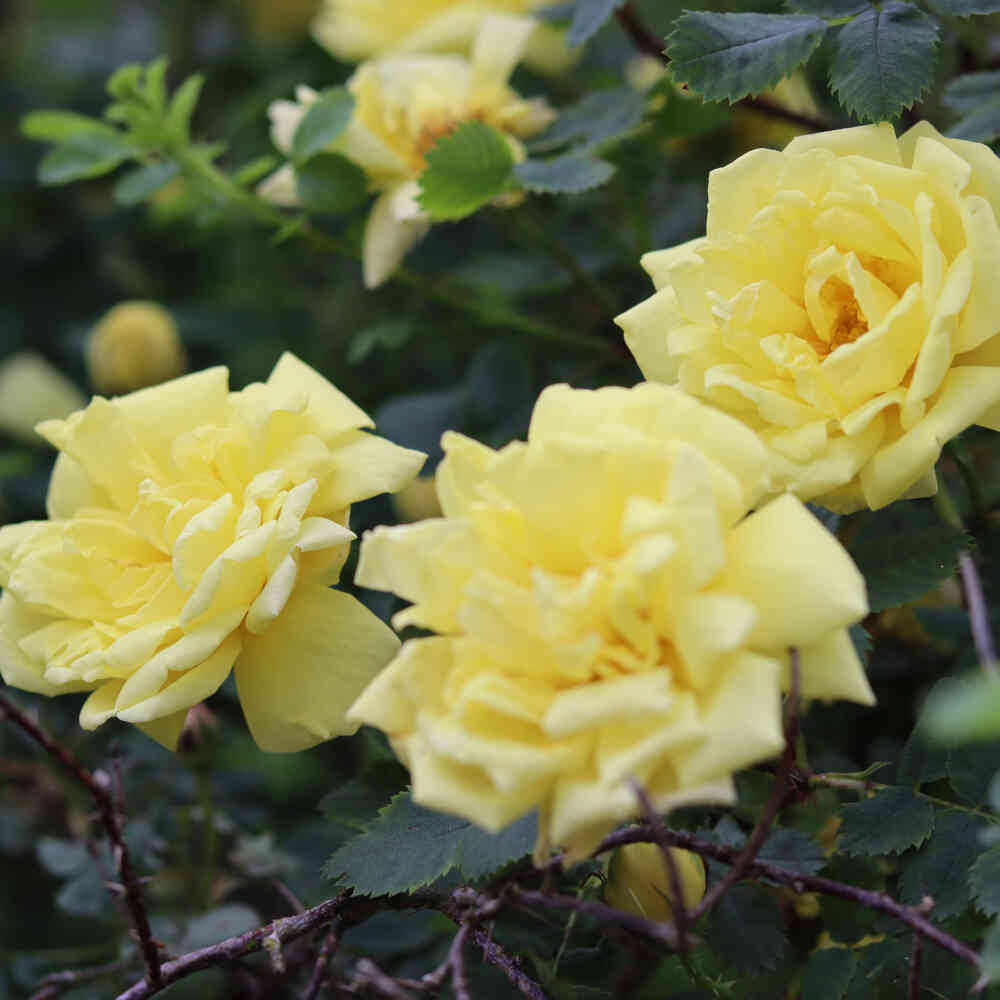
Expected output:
(236, 837)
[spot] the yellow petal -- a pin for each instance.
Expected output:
(332, 412)
(388, 237)
(297, 679)
(830, 668)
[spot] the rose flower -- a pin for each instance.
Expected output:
(606, 608)
(193, 531)
(844, 304)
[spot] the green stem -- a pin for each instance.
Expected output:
(535, 234)
(491, 314)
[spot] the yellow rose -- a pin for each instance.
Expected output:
(639, 883)
(354, 30)
(135, 344)
(404, 104)
(606, 609)
(844, 304)
(194, 530)
(33, 389)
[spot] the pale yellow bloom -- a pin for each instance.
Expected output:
(417, 500)
(354, 30)
(195, 530)
(639, 882)
(606, 609)
(134, 345)
(33, 389)
(404, 104)
(844, 304)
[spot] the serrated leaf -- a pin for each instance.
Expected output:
(747, 929)
(323, 121)
(921, 761)
(331, 183)
(883, 60)
(408, 846)
(940, 869)
(991, 953)
(137, 185)
(828, 8)
(357, 802)
(464, 171)
(971, 769)
(828, 973)
(725, 57)
(963, 710)
(902, 565)
(83, 155)
(569, 174)
(598, 117)
(57, 126)
(890, 822)
(964, 8)
(985, 881)
(794, 850)
(976, 97)
(588, 18)
(177, 123)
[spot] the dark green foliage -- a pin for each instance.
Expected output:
(569, 174)
(794, 850)
(588, 17)
(891, 821)
(747, 930)
(940, 869)
(330, 183)
(883, 60)
(828, 974)
(975, 97)
(963, 8)
(985, 880)
(408, 846)
(725, 57)
(83, 155)
(971, 768)
(598, 117)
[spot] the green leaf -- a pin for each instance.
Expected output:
(253, 171)
(991, 953)
(921, 761)
(156, 83)
(725, 57)
(964, 8)
(218, 924)
(888, 823)
(408, 846)
(391, 335)
(829, 8)
(569, 174)
(794, 850)
(330, 183)
(901, 563)
(57, 126)
(747, 929)
(985, 880)
(599, 117)
(884, 60)
(357, 802)
(940, 869)
(976, 97)
(464, 171)
(123, 84)
(971, 769)
(137, 185)
(588, 18)
(828, 973)
(322, 122)
(62, 857)
(177, 123)
(84, 895)
(963, 710)
(85, 154)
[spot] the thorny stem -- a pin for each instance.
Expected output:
(98, 784)
(774, 804)
(320, 970)
(677, 907)
(914, 978)
(645, 41)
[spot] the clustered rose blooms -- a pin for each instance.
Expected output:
(192, 531)
(404, 104)
(607, 608)
(844, 304)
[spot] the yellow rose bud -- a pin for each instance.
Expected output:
(194, 531)
(354, 30)
(639, 882)
(32, 389)
(844, 304)
(404, 104)
(134, 345)
(607, 608)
